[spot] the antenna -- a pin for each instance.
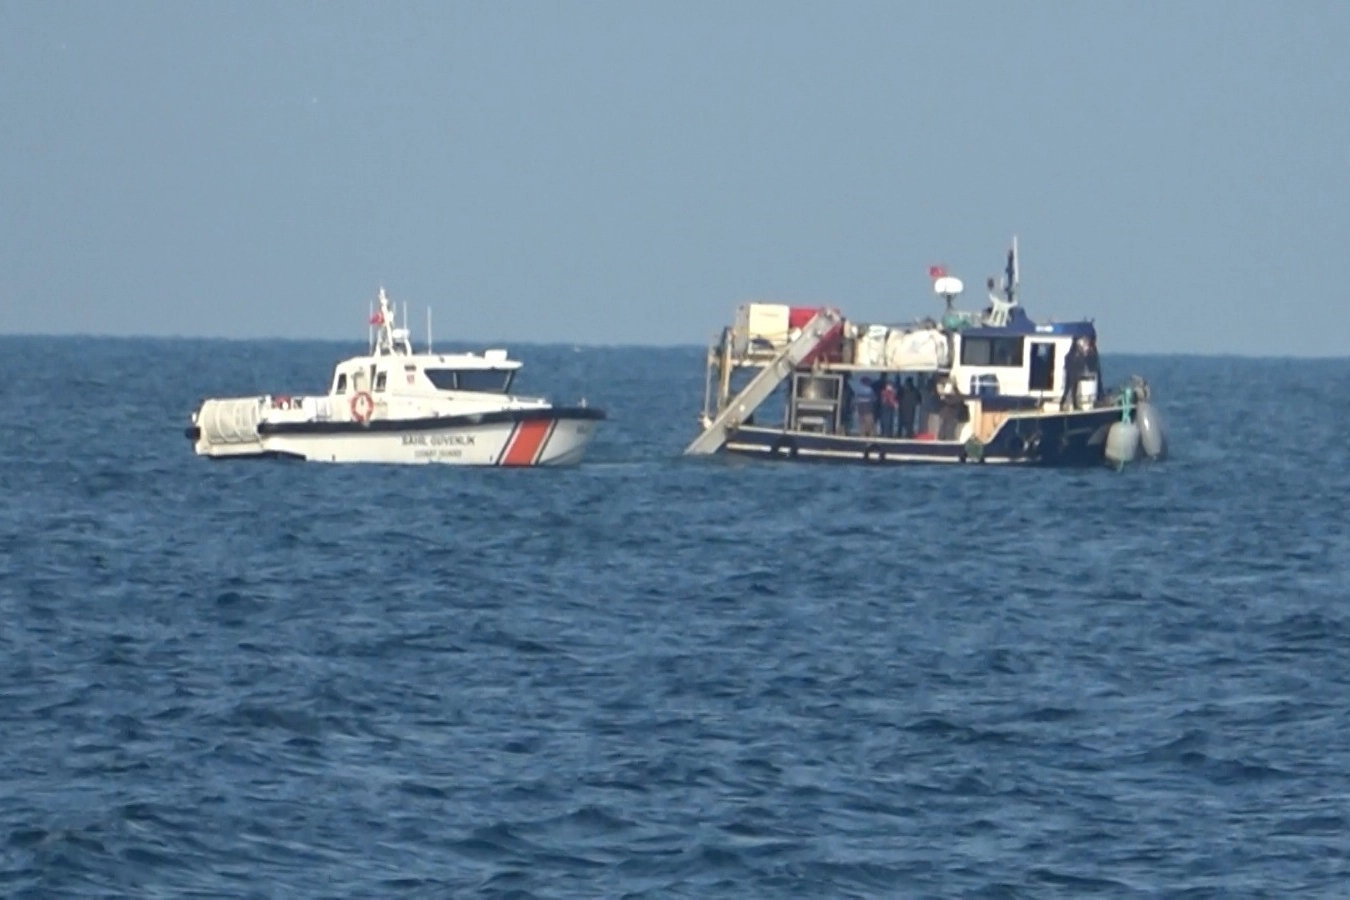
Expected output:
(1011, 281)
(428, 329)
(1000, 308)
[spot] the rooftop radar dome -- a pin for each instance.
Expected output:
(947, 285)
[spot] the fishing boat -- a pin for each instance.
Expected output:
(393, 405)
(966, 387)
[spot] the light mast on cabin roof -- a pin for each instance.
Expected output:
(389, 340)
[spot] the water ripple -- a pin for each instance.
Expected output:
(653, 677)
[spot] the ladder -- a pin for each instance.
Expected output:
(763, 384)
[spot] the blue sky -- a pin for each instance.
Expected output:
(606, 172)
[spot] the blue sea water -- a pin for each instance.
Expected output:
(658, 677)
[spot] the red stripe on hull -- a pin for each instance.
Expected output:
(543, 445)
(526, 443)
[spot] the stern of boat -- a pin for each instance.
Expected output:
(227, 427)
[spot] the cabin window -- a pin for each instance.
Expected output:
(444, 379)
(999, 352)
(380, 381)
(341, 387)
(1042, 375)
(484, 380)
(489, 380)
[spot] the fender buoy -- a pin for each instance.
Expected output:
(974, 451)
(363, 406)
(873, 453)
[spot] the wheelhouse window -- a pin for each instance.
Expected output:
(995, 352)
(489, 380)
(380, 381)
(341, 386)
(492, 381)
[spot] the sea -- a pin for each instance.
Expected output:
(653, 676)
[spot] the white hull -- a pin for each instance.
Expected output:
(395, 406)
(534, 438)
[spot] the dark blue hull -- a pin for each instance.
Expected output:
(1061, 440)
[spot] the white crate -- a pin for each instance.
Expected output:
(757, 323)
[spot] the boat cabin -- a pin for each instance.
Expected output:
(490, 373)
(392, 367)
(1022, 362)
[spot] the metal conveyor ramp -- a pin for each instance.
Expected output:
(765, 381)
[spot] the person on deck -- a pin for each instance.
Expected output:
(909, 404)
(1074, 365)
(846, 405)
(865, 404)
(877, 388)
(929, 405)
(1092, 364)
(890, 407)
(953, 412)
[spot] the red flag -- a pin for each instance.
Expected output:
(377, 319)
(937, 271)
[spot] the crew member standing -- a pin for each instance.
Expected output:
(909, 404)
(1074, 364)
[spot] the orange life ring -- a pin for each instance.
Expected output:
(363, 405)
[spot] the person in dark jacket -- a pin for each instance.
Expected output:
(1092, 364)
(952, 410)
(878, 390)
(890, 406)
(846, 406)
(1074, 364)
(909, 404)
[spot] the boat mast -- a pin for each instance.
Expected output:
(384, 320)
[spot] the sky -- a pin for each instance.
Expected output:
(629, 173)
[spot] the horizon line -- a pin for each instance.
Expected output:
(618, 345)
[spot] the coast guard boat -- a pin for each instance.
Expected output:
(970, 387)
(396, 406)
